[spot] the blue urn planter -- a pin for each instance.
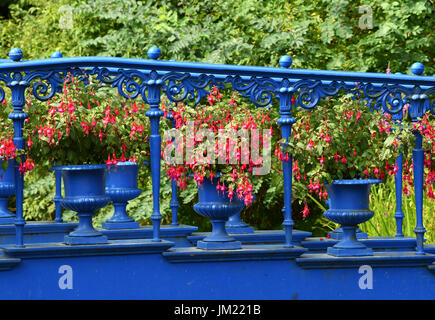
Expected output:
(121, 187)
(218, 207)
(349, 206)
(7, 189)
(85, 193)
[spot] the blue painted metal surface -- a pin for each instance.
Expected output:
(121, 187)
(235, 224)
(17, 84)
(349, 206)
(58, 195)
(84, 193)
(135, 269)
(398, 185)
(154, 84)
(218, 207)
(37, 232)
(7, 189)
(418, 105)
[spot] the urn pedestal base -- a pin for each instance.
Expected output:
(85, 232)
(120, 225)
(219, 238)
(349, 245)
(236, 225)
(85, 240)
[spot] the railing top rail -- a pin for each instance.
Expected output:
(212, 69)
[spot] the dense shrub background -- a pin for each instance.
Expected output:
(317, 34)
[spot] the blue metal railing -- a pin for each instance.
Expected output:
(179, 81)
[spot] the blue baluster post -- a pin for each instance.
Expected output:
(154, 85)
(58, 174)
(286, 121)
(398, 183)
(398, 179)
(18, 86)
(58, 195)
(174, 201)
(416, 111)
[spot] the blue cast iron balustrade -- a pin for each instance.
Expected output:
(180, 81)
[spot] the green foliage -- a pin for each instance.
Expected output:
(39, 192)
(319, 34)
(383, 203)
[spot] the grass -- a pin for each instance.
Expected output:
(383, 203)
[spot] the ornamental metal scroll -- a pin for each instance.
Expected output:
(261, 90)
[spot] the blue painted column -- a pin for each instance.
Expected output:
(18, 87)
(398, 184)
(416, 111)
(398, 178)
(418, 157)
(154, 85)
(58, 195)
(57, 173)
(174, 201)
(286, 121)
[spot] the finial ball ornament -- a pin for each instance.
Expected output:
(285, 61)
(15, 54)
(56, 54)
(417, 68)
(154, 53)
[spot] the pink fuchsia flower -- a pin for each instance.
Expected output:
(343, 159)
(310, 144)
(305, 212)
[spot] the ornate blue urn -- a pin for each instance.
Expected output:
(349, 206)
(218, 207)
(7, 189)
(121, 187)
(85, 193)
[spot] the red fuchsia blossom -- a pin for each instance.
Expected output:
(305, 212)
(310, 144)
(7, 149)
(219, 115)
(29, 142)
(322, 160)
(343, 159)
(28, 165)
